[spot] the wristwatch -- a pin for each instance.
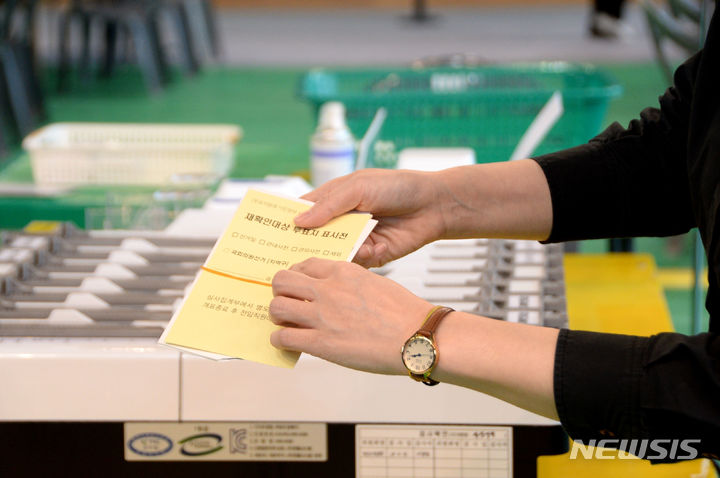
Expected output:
(420, 354)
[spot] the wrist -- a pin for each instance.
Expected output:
(508, 200)
(420, 354)
(446, 201)
(510, 361)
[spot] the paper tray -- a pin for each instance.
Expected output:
(130, 153)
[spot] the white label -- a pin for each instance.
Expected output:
(524, 287)
(446, 265)
(453, 82)
(531, 317)
(225, 441)
(16, 256)
(522, 258)
(523, 302)
(128, 258)
(441, 279)
(432, 451)
(528, 246)
(459, 253)
(325, 169)
(35, 243)
(8, 270)
(529, 272)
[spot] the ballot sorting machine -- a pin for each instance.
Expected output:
(85, 390)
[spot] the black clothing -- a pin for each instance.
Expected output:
(658, 177)
(611, 7)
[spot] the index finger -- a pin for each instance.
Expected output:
(332, 199)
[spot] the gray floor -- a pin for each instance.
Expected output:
(377, 37)
(384, 37)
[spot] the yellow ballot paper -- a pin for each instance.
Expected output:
(225, 314)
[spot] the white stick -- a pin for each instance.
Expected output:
(539, 128)
(369, 138)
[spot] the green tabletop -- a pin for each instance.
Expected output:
(277, 125)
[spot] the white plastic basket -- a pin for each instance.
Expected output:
(130, 153)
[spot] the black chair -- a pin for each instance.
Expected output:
(680, 22)
(21, 96)
(203, 28)
(140, 22)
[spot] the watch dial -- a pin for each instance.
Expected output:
(418, 355)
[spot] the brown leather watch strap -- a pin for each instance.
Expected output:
(427, 329)
(433, 320)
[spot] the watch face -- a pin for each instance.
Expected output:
(418, 354)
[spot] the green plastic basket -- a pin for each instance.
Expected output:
(487, 108)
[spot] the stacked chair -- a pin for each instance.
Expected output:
(140, 23)
(21, 99)
(682, 23)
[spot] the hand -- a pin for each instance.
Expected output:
(343, 313)
(346, 314)
(405, 203)
(414, 208)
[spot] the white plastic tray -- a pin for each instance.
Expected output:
(130, 153)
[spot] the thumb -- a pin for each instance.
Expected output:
(373, 255)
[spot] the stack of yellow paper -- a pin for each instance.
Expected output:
(225, 314)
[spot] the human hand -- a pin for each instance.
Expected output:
(344, 313)
(405, 203)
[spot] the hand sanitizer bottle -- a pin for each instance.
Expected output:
(332, 147)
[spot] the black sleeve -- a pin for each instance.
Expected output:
(624, 387)
(627, 181)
